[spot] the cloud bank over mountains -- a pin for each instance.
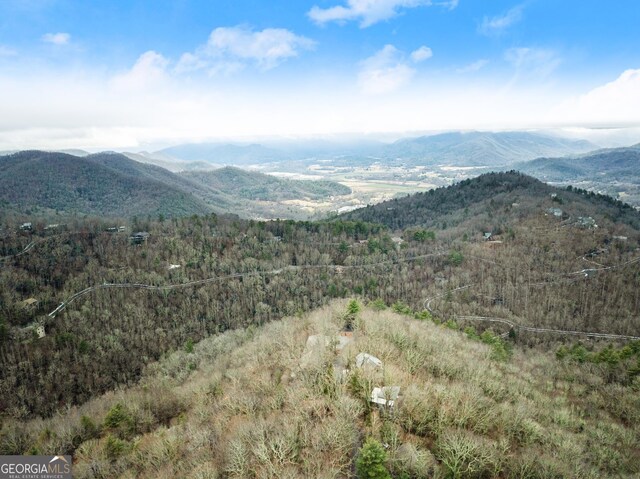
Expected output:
(330, 67)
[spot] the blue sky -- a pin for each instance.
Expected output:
(137, 73)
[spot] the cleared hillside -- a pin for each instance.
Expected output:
(260, 402)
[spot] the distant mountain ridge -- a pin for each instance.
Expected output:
(615, 163)
(167, 162)
(456, 149)
(482, 148)
(225, 154)
(614, 171)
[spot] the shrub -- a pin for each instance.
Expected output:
(464, 455)
(501, 350)
(360, 388)
(400, 307)
(14, 441)
(116, 416)
(412, 463)
(471, 333)
(451, 324)
(120, 421)
(456, 258)
(532, 466)
(353, 308)
(89, 428)
(378, 305)
(423, 315)
(371, 461)
(237, 459)
(114, 447)
(420, 412)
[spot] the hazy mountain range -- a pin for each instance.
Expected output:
(456, 149)
(614, 171)
(613, 164)
(115, 184)
(480, 149)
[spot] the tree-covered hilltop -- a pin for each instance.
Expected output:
(265, 402)
(104, 184)
(252, 185)
(493, 197)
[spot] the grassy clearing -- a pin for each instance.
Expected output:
(241, 405)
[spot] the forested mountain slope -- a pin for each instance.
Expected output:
(103, 184)
(494, 198)
(262, 402)
(252, 185)
(216, 273)
(111, 184)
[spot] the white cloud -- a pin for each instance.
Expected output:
(451, 4)
(7, 51)
(190, 62)
(56, 38)
(229, 49)
(616, 102)
(498, 24)
(535, 63)
(58, 107)
(150, 68)
(473, 67)
(421, 54)
(384, 72)
(368, 12)
(84, 109)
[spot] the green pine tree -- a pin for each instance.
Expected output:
(371, 461)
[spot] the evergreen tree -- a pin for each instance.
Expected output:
(371, 461)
